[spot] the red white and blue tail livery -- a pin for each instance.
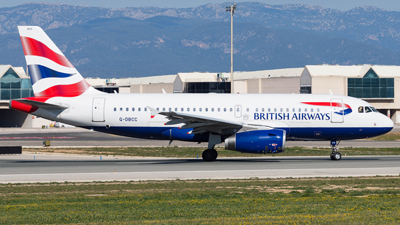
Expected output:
(255, 123)
(51, 73)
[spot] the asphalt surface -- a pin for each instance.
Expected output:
(59, 168)
(76, 137)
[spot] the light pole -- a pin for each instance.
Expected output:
(231, 9)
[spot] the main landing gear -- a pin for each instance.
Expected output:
(335, 155)
(211, 154)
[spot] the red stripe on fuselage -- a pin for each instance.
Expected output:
(36, 48)
(334, 104)
(68, 90)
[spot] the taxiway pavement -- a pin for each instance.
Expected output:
(77, 137)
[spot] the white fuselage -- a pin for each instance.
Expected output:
(302, 116)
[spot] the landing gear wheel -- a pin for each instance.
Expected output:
(336, 156)
(210, 155)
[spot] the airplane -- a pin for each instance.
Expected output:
(251, 123)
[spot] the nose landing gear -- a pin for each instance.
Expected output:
(335, 155)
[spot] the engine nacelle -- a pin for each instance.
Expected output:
(257, 141)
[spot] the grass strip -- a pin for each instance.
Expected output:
(194, 152)
(370, 200)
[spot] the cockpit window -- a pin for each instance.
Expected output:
(361, 109)
(373, 109)
(368, 109)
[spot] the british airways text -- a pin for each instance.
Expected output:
(292, 116)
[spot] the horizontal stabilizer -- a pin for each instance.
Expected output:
(41, 105)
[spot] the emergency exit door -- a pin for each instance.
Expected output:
(238, 111)
(98, 109)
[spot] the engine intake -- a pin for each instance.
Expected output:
(257, 141)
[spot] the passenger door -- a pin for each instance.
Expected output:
(98, 109)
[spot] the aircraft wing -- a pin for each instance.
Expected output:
(200, 124)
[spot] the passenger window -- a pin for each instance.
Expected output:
(230, 109)
(194, 109)
(219, 109)
(367, 109)
(206, 109)
(361, 109)
(256, 109)
(145, 109)
(281, 110)
(139, 109)
(163, 109)
(188, 109)
(169, 110)
(127, 109)
(318, 110)
(294, 110)
(305, 110)
(115, 109)
(262, 109)
(224, 109)
(176, 109)
(181, 109)
(199, 109)
(299, 109)
(269, 110)
(312, 110)
(158, 109)
(212, 109)
(287, 109)
(275, 110)
(133, 109)
(120, 109)
(247, 109)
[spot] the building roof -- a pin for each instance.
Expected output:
(291, 72)
(353, 71)
(198, 77)
(167, 79)
(18, 70)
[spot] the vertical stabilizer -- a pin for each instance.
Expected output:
(52, 75)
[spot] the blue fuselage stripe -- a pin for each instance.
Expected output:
(321, 133)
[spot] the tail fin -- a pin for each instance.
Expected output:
(52, 75)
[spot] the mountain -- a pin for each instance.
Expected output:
(147, 41)
(125, 47)
(366, 24)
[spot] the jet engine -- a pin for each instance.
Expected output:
(257, 141)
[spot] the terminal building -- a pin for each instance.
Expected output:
(375, 84)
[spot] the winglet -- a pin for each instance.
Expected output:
(153, 111)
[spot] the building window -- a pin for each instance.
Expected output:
(305, 90)
(12, 86)
(207, 87)
(370, 86)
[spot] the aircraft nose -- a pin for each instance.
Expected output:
(386, 122)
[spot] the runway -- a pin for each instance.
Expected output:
(29, 168)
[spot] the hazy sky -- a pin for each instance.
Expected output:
(392, 5)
